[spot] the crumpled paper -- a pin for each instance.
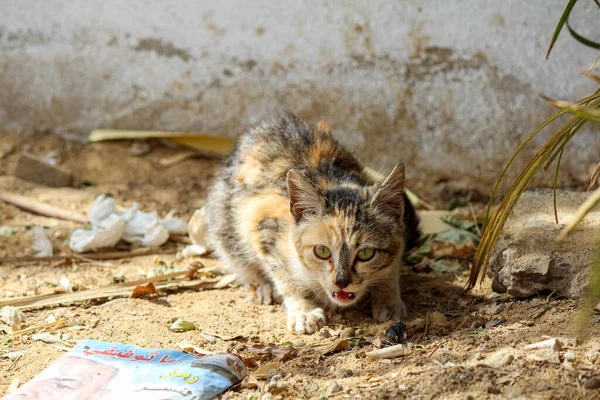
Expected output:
(109, 225)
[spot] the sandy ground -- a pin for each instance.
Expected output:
(461, 345)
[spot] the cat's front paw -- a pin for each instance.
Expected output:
(384, 312)
(266, 294)
(306, 322)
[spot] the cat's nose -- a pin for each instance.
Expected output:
(342, 282)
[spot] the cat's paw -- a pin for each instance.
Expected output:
(385, 312)
(265, 293)
(306, 322)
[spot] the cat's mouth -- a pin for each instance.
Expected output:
(343, 297)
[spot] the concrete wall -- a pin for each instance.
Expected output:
(449, 86)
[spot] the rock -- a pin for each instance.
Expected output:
(34, 169)
(345, 373)
(591, 355)
(332, 388)
(493, 390)
(591, 384)
(501, 358)
(139, 148)
(570, 356)
(347, 333)
(527, 258)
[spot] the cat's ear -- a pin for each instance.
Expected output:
(305, 199)
(388, 198)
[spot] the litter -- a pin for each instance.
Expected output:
(118, 371)
(109, 225)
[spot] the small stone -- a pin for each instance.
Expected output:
(348, 333)
(570, 356)
(493, 390)
(345, 373)
(501, 358)
(332, 388)
(139, 148)
(592, 355)
(396, 333)
(591, 384)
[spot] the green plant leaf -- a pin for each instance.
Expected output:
(561, 22)
(581, 39)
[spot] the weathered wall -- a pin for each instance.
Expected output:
(449, 86)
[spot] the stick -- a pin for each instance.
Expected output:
(36, 207)
(92, 256)
(119, 290)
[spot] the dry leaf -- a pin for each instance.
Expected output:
(266, 369)
(225, 281)
(282, 353)
(224, 337)
(197, 141)
(182, 326)
(144, 290)
(251, 362)
(332, 347)
(46, 337)
(190, 348)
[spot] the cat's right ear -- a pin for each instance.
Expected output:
(305, 199)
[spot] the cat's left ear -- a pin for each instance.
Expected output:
(388, 198)
(305, 199)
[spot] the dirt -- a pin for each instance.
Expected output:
(452, 354)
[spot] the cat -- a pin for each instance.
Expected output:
(299, 218)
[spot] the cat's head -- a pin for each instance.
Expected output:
(348, 238)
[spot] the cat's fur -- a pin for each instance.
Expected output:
(289, 186)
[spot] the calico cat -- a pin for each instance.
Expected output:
(297, 216)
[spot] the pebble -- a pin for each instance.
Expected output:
(332, 388)
(345, 373)
(593, 383)
(139, 148)
(570, 356)
(501, 358)
(348, 333)
(493, 390)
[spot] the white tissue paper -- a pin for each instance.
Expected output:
(132, 225)
(42, 246)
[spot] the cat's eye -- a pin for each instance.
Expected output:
(365, 254)
(322, 252)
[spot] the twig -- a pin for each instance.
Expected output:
(56, 324)
(92, 256)
(118, 290)
(36, 207)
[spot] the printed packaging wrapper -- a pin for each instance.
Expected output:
(96, 370)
